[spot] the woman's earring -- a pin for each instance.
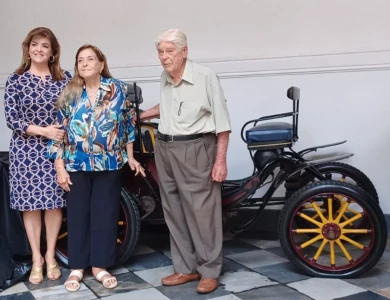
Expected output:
(51, 59)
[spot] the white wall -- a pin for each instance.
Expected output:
(336, 51)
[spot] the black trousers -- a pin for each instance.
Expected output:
(93, 212)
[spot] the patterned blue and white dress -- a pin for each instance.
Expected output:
(31, 101)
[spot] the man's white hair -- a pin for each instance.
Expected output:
(175, 36)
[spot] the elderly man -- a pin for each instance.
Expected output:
(190, 155)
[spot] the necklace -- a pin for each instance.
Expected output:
(92, 94)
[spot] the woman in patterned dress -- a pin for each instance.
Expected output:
(95, 113)
(30, 109)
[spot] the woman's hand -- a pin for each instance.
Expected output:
(63, 179)
(53, 132)
(136, 166)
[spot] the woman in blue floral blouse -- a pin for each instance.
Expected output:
(99, 136)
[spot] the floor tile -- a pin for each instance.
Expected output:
(19, 296)
(363, 296)
(283, 273)
(276, 292)
(227, 297)
(243, 280)
(15, 289)
(167, 253)
(141, 249)
(236, 246)
(384, 292)
(148, 261)
(188, 292)
(147, 294)
(278, 251)
(385, 258)
(263, 244)
(252, 269)
(373, 280)
(58, 293)
(49, 283)
(388, 245)
(228, 235)
(325, 289)
(231, 266)
(384, 267)
(126, 283)
(153, 276)
(258, 258)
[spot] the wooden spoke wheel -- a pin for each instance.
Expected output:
(332, 246)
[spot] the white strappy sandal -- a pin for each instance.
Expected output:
(74, 281)
(101, 274)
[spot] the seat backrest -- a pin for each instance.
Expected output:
(294, 93)
(134, 93)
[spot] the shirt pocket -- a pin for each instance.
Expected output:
(188, 112)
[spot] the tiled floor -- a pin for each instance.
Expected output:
(253, 269)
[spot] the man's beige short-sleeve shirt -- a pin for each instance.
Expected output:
(196, 105)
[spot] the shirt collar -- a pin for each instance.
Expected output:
(187, 75)
(104, 83)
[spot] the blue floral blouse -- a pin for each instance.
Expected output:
(96, 137)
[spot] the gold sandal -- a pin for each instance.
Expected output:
(36, 275)
(53, 271)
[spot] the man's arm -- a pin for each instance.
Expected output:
(151, 113)
(219, 172)
(222, 145)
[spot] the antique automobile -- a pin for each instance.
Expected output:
(330, 224)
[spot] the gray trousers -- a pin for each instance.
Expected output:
(192, 204)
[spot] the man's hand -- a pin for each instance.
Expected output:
(219, 172)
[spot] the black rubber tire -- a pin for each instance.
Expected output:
(356, 193)
(355, 174)
(129, 210)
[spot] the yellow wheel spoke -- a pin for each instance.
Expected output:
(357, 217)
(312, 241)
(364, 231)
(345, 251)
(352, 242)
(60, 237)
(332, 255)
(317, 215)
(341, 212)
(317, 230)
(345, 218)
(320, 249)
(342, 179)
(311, 220)
(330, 209)
(323, 219)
